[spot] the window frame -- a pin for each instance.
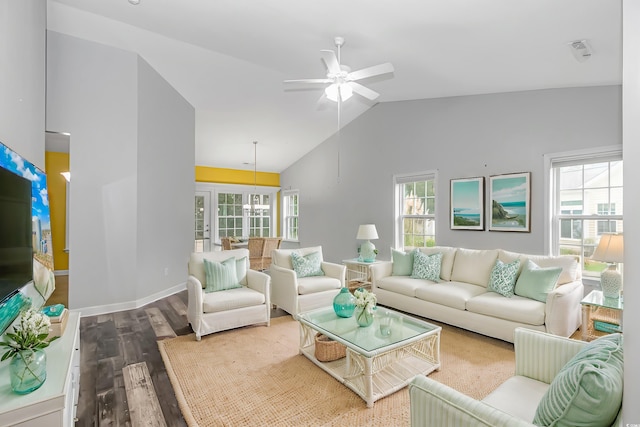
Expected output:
(247, 192)
(286, 215)
(398, 182)
(553, 208)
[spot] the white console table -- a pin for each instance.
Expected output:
(54, 403)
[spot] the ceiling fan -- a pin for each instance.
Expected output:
(342, 81)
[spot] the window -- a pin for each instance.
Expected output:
(586, 203)
(233, 210)
(290, 208)
(415, 210)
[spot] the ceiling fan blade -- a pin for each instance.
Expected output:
(364, 91)
(323, 81)
(329, 58)
(376, 70)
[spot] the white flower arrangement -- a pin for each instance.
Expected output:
(29, 333)
(365, 299)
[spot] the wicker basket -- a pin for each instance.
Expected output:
(328, 350)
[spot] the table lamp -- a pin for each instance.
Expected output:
(610, 250)
(367, 249)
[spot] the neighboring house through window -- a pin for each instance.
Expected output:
(415, 203)
(290, 212)
(586, 202)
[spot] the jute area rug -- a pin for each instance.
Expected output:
(254, 376)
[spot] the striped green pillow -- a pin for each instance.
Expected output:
(221, 276)
(588, 389)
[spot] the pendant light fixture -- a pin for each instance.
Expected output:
(254, 208)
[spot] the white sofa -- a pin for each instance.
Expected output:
(592, 394)
(232, 308)
(462, 299)
(296, 294)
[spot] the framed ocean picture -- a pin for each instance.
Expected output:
(467, 204)
(510, 197)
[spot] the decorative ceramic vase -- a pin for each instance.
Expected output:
(28, 370)
(363, 316)
(344, 303)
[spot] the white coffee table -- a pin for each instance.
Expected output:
(375, 365)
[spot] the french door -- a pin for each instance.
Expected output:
(202, 226)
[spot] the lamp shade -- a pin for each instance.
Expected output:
(367, 232)
(610, 249)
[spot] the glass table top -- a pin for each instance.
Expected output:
(398, 327)
(598, 299)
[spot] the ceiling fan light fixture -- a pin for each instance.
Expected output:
(345, 91)
(332, 92)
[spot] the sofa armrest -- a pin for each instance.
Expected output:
(337, 271)
(563, 309)
(284, 288)
(435, 404)
(194, 301)
(380, 270)
(540, 355)
(261, 282)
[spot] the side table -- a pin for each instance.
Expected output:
(358, 274)
(600, 315)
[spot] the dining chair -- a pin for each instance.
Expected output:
(226, 243)
(256, 251)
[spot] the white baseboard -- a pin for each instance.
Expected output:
(130, 305)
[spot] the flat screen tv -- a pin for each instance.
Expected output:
(16, 249)
(26, 252)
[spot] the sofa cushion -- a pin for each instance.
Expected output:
(503, 277)
(402, 262)
(448, 257)
(313, 284)
(516, 309)
(282, 257)
(569, 264)
(220, 276)
(518, 396)
(536, 282)
(403, 285)
(588, 389)
(473, 266)
(307, 265)
(426, 266)
(231, 299)
(450, 294)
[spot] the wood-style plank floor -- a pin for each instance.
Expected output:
(123, 381)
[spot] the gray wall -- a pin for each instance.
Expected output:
(166, 182)
(22, 77)
(108, 100)
(459, 137)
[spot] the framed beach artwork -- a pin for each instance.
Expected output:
(467, 204)
(510, 197)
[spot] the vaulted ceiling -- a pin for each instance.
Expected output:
(228, 58)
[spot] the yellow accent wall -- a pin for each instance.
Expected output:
(236, 176)
(240, 177)
(57, 191)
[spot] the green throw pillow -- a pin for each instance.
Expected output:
(426, 266)
(503, 278)
(307, 265)
(536, 282)
(221, 276)
(588, 389)
(402, 263)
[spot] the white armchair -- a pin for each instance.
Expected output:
(295, 295)
(540, 357)
(232, 308)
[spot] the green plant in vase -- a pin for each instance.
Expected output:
(25, 347)
(365, 304)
